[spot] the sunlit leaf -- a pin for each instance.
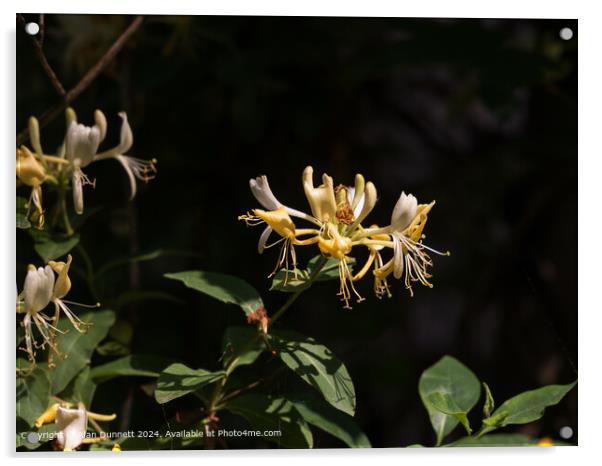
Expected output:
(225, 288)
(449, 390)
(178, 380)
(317, 366)
(527, 406)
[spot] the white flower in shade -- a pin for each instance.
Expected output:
(71, 427)
(41, 288)
(82, 142)
(36, 295)
(81, 148)
(72, 424)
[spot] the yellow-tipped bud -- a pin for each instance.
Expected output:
(47, 416)
(29, 170)
(63, 283)
(116, 447)
(279, 220)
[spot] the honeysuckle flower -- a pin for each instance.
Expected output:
(31, 173)
(41, 288)
(36, 295)
(72, 425)
(338, 212)
(81, 148)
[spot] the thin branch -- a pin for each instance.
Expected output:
(240, 391)
(86, 80)
(37, 46)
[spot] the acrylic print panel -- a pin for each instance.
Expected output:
(295, 232)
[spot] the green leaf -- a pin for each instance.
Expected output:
(31, 442)
(130, 366)
(289, 281)
(445, 382)
(33, 393)
(241, 342)
(178, 380)
(527, 406)
(489, 405)
(317, 366)
(22, 221)
(276, 414)
(78, 347)
(444, 403)
(494, 440)
(323, 416)
(52, 248)
(81, 388)
(225, 288)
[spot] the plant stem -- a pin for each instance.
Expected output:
(219, 386)
(63, 208)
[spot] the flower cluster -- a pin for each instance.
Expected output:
(337, 213)
(79, 149)
(45, 285)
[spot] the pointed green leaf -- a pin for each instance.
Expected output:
(317, 366)
(489, 405)
(444, 403)
(320, 414)
(275, 414)
(77, 347)
(225, 288)
(52, 248)
(178, 380)
(527, 406)
(140, 365)
(449, 380)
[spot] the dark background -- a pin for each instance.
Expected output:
(480, 115)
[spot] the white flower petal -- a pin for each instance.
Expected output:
(263, 239)
(404, 212)
(78, 191)
(82, 143)
(368, 202)
(37, 289)
(360, 205)
(397, 258)
(123, 160)
(71, 426)
(262, 192)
